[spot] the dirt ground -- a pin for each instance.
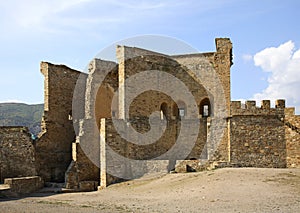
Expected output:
(222, 190)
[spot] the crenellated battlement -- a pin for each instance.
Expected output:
(250, 108)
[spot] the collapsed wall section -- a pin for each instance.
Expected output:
(54, 145)
(17, 153)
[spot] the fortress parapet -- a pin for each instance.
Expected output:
(250, 108)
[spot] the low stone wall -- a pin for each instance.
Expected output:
(17, 153)
(22, 185)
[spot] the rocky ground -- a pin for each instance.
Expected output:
(222, 190)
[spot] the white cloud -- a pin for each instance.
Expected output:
(283, 63)
(275, 59)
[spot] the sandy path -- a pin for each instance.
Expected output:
(223, 190)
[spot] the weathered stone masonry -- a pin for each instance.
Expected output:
(253, 136)
(132, 61)
(292, 135)
(17, 153)
(257, 135)
(54, 146)
(264, 136)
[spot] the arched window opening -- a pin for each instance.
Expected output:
(70, 117)
(181, 112)
(163, 110)
(205, 108)
(205, 111)
(181, 109)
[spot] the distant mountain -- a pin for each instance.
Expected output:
(19, 114)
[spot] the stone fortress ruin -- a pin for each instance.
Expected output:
(79, 143)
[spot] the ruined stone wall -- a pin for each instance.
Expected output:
(105, 93)
(155, 150)
(165, 143)
(213, 72)
(141, 152)
(222, 64)
(250, 136)
(17, 153)
(83, 173)
(23, 185)
(212, 67)
(53, 148)
(292, 134)
(131, 61)
(257, 135)
(151, 101)
(81, 170)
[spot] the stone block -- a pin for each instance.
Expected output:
(250, 104)
(236, 105)
(23, 185)
(280, 103)
(265, 104)
(88, 186)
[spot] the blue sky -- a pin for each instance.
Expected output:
(265, 36)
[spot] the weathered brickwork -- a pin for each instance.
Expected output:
(17, 153)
